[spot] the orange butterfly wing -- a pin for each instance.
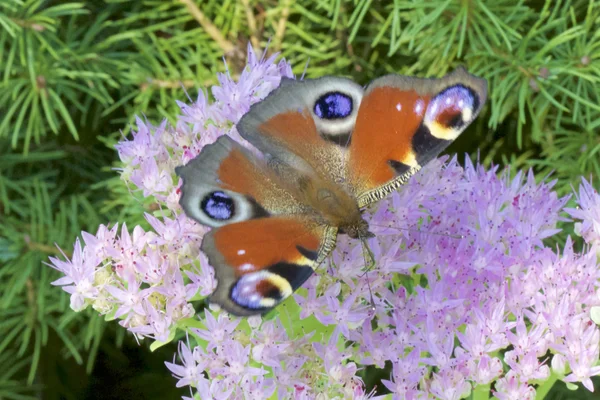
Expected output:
(294, 125)
(262, 247)
(261, 262)
(403, 123)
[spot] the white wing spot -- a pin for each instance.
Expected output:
(419, 106)
(248, 267)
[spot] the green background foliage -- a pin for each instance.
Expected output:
(73, 75)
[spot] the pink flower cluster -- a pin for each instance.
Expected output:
(466, 294)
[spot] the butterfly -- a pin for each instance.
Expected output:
(330, 148)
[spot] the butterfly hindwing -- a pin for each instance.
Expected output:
(262, 247)
(260, 262)
(403, 123)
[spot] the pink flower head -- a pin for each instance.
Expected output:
(462, 281)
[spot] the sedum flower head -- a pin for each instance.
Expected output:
(465, 292)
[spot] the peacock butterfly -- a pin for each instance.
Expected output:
(331, 148)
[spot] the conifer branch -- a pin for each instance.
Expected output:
(281, 24)
(31, 295)
(251, 24)
(209, 27)
(45, 248)
(28, 24)
(168, 84)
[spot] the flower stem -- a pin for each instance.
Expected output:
(544, 387)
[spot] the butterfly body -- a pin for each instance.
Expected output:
(328, 149)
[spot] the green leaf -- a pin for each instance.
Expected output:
(158, 344)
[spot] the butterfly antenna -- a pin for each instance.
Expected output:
(226, 67)
(185, 91)
(420, 231)
(265, 50)
(369, 263)
(305, 69)
(349, 138)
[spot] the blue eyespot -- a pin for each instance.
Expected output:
(333, 105)
(218, 205)
(255, 291)
(449, 107)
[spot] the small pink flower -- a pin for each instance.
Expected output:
(218, 330)
(79, 276)
(510, 388)
(188, 373)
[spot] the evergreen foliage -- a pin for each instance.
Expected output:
(73, 76)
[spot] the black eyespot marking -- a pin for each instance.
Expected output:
(250, 290)
(426, 146)
(333, 105)
(455, 122)
(447, 107)
(474, 96)
(399, 167)
(310, 254)
(271, 292)
(295, 274)
(218, 205)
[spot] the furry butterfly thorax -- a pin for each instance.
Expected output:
(330, 148)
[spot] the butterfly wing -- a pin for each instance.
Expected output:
(380, 137)
(226, 184)
(261, 262)
(403, 123)
(263, 245)
(305, 124)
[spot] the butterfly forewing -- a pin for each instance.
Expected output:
(306, 124)
(225, 184)
(403, 123)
